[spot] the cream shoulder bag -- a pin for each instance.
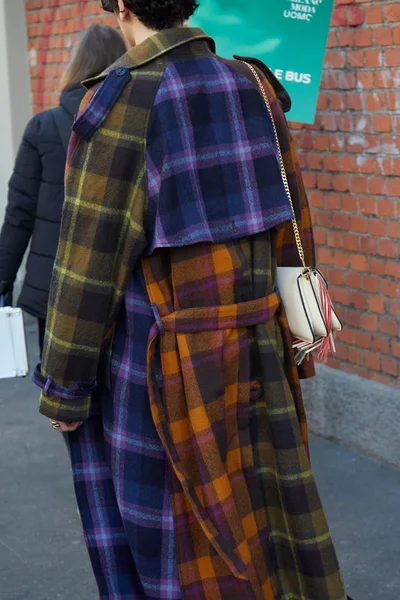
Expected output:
(303, 290)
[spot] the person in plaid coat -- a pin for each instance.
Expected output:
(167, 357)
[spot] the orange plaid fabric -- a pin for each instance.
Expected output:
(247, 516)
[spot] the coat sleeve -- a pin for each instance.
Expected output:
(286, 248)
(102, 238)
(23, 195)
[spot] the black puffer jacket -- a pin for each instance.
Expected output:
(35, 200)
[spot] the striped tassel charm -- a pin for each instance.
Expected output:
(324, 345)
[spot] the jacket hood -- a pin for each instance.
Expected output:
(71, 98)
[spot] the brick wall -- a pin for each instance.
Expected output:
(351, 162)
(53, 27)
(350, 157)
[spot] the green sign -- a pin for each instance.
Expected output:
(289, 36)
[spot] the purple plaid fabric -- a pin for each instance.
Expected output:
(211, 183)
(102, 102)
(121, 476)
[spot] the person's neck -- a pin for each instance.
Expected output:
(141, 33)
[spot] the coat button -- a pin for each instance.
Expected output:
(120, 72)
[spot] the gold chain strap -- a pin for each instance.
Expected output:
(283, 171)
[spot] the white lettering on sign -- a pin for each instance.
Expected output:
(293, 76)
(303, 10)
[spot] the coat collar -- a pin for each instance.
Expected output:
(152, 48)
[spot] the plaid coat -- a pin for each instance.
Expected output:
(173, 179)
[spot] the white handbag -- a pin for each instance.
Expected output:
(13, 354)
(303, 290)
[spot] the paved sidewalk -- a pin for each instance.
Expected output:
(42, 556)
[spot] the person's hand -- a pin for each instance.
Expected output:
(65, 427)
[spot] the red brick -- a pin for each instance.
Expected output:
(368, 245)
(391, 13)
(367, 165)
(358, 300)
(376, 305)
(380, 344)
(382, 36)
(353, 280)
(384, 79)
(372, 361)
(348, 164)
(394, 308)
(369, 322)
(386, 208)
(368, 205)
(355, 16)
(373, 59)
(316, 199)
(364, 37)
(314, 161)
(389, 326)
(324, 256)
(370, 283)
(373, 102)
(396, 349)
(331, 163)
(358, 224)
(376, 187)
(341, 259)
(347, 336)
(376, 266)
(390, 289)
(341, 351)
(387, 248)
(319, 236)
(323, 102)
(377, 227)
(335, 239)
(310, 180)
(390, 366)
(335, 60)
(324, 181)
(349, 203)
(335, 277)
(373, 15)
(337, 101)
(355, 101)
(341, 183)
(351, 242)
(392, 57)
(363, 340)
(396, 35)
(365, 80)
(333, 201)
(344, 38)
(393, 188)
(392, 269)
(382, 123)
(356, 58)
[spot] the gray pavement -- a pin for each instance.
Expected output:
(42, 555)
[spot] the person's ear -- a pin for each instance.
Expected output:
(121, 8)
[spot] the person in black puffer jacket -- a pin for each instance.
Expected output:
(36, 188)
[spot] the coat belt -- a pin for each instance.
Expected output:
(189, 321)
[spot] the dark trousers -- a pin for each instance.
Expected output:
(42, 329)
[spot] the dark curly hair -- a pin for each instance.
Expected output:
(157, 14)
